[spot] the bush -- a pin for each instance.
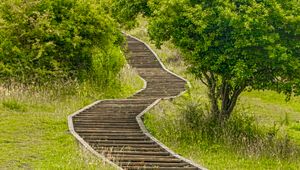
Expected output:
(58, 39)
(241, 132)
(189, 123)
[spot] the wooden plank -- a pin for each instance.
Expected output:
(112, 128)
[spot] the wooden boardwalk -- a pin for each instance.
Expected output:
(113, 129)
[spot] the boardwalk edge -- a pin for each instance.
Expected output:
(84, 143)
(138, 118)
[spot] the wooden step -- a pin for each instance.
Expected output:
(99, 116)
(135, 145)
(107, 114)
(146, 65)
(160, 168)
(131, 149)
(107, 120)
(107, 127)
(91, 122)
(127, 101)
(137, 153)
(123, 142)
(97, 137)
(127, 134)
(97, 130)
(153, 164)
(146, 159)
(119, 106)
(111, 129)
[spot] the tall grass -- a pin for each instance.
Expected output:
(187, 128)
(241, 132)
(33, 123)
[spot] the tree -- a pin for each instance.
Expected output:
(58, 39)
(126, 11)
(233, 45)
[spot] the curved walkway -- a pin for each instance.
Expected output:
(113, 129)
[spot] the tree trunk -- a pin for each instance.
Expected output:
(229, 97)
(212, 94)
(223, 97)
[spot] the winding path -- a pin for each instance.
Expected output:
(113, 129)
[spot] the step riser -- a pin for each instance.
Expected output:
(124, 153)
(110, 127)
(129, 149)
(132, 164)
(114, 138)
(133, 134)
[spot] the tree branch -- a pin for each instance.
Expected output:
(234, 98)
(205, 83)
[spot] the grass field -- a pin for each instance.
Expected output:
(162, 122)
(33, 124)
(34, 131)
(269, 109)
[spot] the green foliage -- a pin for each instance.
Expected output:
(233, 45)
(58, 39)
(126, 11)
(14, 105)
(296, 126)
(179, 131)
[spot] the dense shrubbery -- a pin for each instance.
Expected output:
(241, 133)
(125, 11)
(57, 39)
(194, 125)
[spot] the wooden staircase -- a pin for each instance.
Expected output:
(113, 129)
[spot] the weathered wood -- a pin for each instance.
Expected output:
(110, 127)
(137, 153)
(126, 149)
(147, 159)
(161, 168)
(168, 164)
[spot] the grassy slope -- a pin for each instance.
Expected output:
(33, 125)
(161, 120)
(268, 107)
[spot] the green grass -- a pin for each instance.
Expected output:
(163, 123)
(272, 106)
(220, 157)
(270, 110)
(33, 125)
(14, 105)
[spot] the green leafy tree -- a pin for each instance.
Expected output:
(233, 45)
(47, 39)
(126, 11)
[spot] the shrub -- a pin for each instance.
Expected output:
(58, 39)
(241, 132)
